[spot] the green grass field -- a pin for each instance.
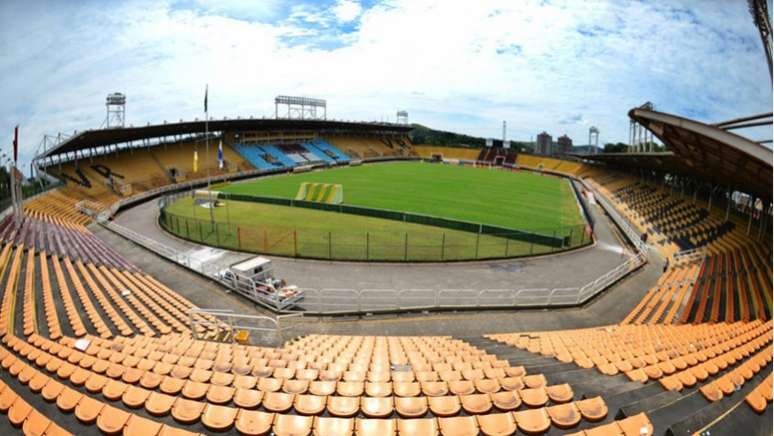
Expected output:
(517, 200)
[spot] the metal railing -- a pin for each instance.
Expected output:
(223, 325)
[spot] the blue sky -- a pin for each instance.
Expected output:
(559, 66)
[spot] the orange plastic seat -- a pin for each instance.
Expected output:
(434, 389)
(253, 422)
(376, 407)
(292, 425)
(218, 418)
(309, 404)
(756, 401)
(277, 401)
(135, 397)
(378, 389)
(19, 411)
(88, 409)
(195, 390)
(7, 398)
(536, 397)
(512, 383)
(38, 382)
(139, 426)
(374, 427)
(333, 426)
(343, 406)
(50, 392)
(486, 386)
(458, 426)
(112, 420)
(418, 427)
(636, 425)
(497, 424)
(67, 400)
(406, 389)
(247, 398)
(220, 394)
(476, 403)
(172, 385)
(322, 388)
(187, 411)
(159, 404)
(36, 424)
(592, 409)
(532, 420)
(564, 415)
(411, 407)
(560, 393)
(506, 400)
(444, 406)
(461, 387)
(535, 381)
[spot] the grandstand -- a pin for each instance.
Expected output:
(92, 343)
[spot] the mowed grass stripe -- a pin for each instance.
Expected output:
(519, 200)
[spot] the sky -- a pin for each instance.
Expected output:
(463, 66)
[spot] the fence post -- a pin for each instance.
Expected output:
(330, 245)
(443, 245)
(217, 234)
(368, 246)
(239, 236)
(571, 232)
(187, 231)
(295, 243)
(478, 239)
(531, 247)
(201, 232)
(507, 245)
(405, 246)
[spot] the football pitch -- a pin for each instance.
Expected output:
(516, 200)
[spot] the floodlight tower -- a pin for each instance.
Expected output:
(402, 117)
(594, 133)
(116, 110)
(760, 13)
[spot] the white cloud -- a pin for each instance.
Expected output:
(347, 10)
(453, 65)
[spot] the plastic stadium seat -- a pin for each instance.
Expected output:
(533, 420)
(187, 411)
(417, 427)
(112, 420)
(564, 415)
(756, 401)
(560, 393)
(333, 426)
(512, 383)
(114, 390)
(342, 406)
(458, 426)
(435, 389)
(375, 427)
(247, 398)
(406, 389)
(374, 407)
(486, 386)
(309, 404)
(497, 424)
(462, 387)
(19, 411)
(535, 381)
(50, 392)
(506, 400)
(88, 409)
(536, 397)
(253, 422)
(220, 394)
(67, 400)
(444, 406)
(411, 407)
(218, 418)
(35, 424)
(321, 388)
(592, 409)
(159, 404)
(636, 425)
(292, 425)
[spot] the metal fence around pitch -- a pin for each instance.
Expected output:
(408, 246)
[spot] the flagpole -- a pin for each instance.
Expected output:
(207, 138)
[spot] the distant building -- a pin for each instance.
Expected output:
(565, 144)
(543, 145)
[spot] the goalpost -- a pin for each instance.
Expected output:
(321, 193)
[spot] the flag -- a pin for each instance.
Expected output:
(196, 162)
(16, 143)
(220, 154)
(206, 89)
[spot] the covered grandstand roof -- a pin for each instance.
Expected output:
(701, 151)
(97, 138)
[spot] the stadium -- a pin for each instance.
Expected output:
(295, 274)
